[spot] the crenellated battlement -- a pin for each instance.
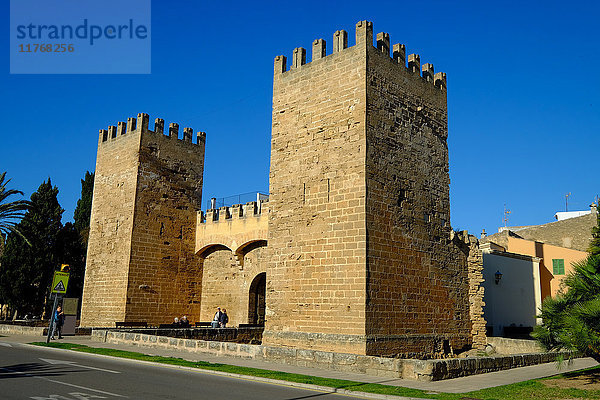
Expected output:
(363, 34)
(140, 125)
(236, 211)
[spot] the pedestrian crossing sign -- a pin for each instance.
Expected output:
(59, 282)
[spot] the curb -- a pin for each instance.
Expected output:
(324, 389)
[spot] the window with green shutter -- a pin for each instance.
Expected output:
(558, 266)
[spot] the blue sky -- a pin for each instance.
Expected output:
(523, 98)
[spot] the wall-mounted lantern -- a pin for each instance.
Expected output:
(497, 277)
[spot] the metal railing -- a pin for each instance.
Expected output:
(243, 198)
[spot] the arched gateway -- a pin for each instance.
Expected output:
(256, 299)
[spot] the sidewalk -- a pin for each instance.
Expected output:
(457, 385)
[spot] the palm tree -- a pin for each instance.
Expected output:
(11, 212)
(571, 320)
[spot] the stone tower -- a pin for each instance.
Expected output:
(141, 264)
(362, 259)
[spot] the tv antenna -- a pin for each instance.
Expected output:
(506, 214)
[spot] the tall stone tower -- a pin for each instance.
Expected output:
(147, 191)
(359, 231)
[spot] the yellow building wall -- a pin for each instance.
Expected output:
(550, 283)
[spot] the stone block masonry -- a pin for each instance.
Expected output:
(231, 243)
(141, 263)
(359, 232)
(352, 254)
(421, 370)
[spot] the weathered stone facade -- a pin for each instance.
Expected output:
(231, 243)
(359, 228)
(141, 263)
(470, 246)
(352, 253)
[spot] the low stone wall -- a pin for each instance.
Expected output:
(514, 346)
(21, 330)
(435, 370)
(423, 370)
(379, 366)
(237, 335)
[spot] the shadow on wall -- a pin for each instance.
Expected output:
(511, 302)
(545, 274)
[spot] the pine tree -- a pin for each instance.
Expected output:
(74, 237)
(27, 270)
(72, 250)
(83, 211)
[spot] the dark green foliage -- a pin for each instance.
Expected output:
(571, 320)
(10, 211)
(71, 250)
(83, 210)
(74, 237)
(27, 270)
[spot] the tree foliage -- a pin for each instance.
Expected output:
(81, 217)
(27, 270)
(10, 211)
(72, 250)
(571, 320)
(75, 236)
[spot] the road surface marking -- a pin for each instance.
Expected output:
(77, 395)
(5, 344)
(62, 383)
(74, 364)
(81, 387)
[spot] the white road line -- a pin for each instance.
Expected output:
(63, 383)
(97, 369)
(5, 344)
(74, 364)
(81, 387)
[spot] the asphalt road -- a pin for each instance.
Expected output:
(28, 372)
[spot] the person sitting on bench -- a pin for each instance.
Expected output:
(216, 319)
(183, 322)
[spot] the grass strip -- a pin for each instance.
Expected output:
(528, 390)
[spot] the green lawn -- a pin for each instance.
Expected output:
(534, 389)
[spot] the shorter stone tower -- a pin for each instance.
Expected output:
(141, 264)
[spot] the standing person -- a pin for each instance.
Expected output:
(217, 318)
(59, 320)
(224, 319)
(176, 322)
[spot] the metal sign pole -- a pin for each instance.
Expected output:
(52, 318)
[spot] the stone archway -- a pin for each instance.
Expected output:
(256, 299)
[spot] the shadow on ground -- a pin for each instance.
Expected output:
(33, 370)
